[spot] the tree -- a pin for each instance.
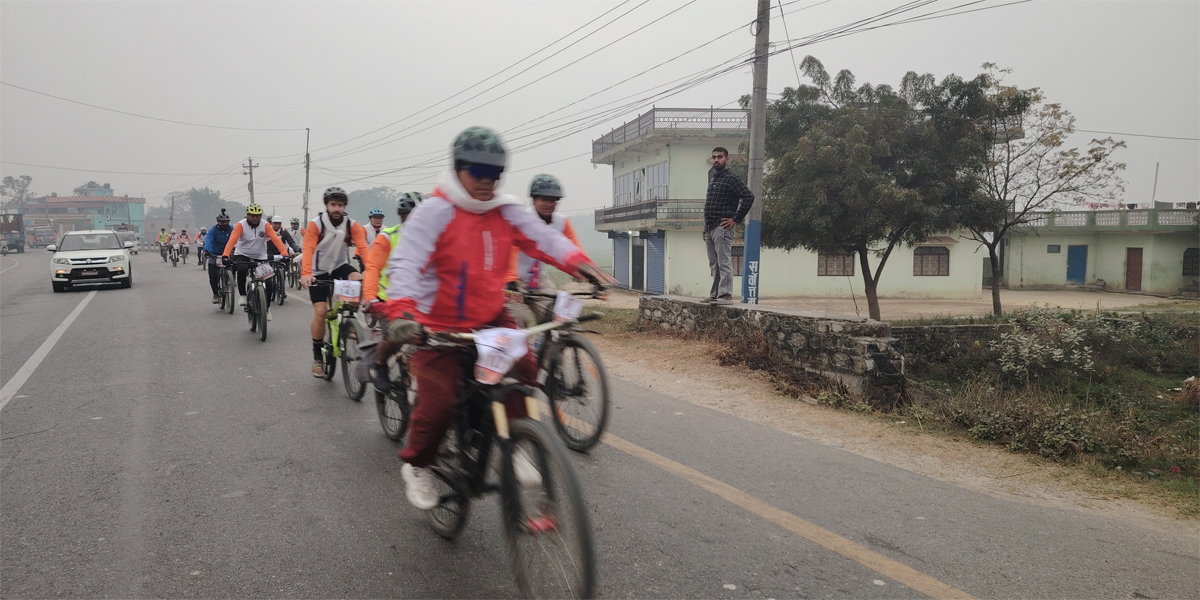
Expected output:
(1028, 170)
(361, 202)
(91, 185)
(862, 171)
(17, 190)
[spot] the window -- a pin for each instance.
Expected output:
(657, 179)
(1053, 249)
(623, 189)
(833, 265)
(639, 185)
(931, 260)
(738, 254)
(1191, 262)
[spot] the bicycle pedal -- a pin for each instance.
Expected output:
(540, 524)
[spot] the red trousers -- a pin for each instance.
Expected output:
(438, 374)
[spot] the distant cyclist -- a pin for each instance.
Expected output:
(162, 238)
(375, 282)
(376, 227)
(285, 235)
(185, 242)
(214, 245)
(527, 274)
(330, 240)
(248, 242)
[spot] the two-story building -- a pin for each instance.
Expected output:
(98, 208)
(660, 164)
(1145, 249)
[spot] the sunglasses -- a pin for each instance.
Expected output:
(487, 172)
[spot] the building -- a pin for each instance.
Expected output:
(660, 165)
(98, 209)
(1148, 250)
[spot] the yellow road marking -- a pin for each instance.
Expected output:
(15, 264)
(862, 555)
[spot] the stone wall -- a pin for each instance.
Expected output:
(857, 351)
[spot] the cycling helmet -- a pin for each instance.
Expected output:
(295, 220)
(545, 185)
(409, 201)
(173, 231)
(203, 230)
(375, 212)
(254, 209)
(164, 229)
(223, 216)
(277, 219)
(336, 191)
(479, 145)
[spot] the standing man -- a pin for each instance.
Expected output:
(725, 206)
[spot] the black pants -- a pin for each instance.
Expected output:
(214, 275)
(243, 264)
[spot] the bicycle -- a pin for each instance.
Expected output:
(257, 302)
(162, 250)
(174, 252)
(281, 269)
(547, 530)
(227, 288)
(576, 382)
(294, 274)
(395, 406)
(202, 258)
(342, 334)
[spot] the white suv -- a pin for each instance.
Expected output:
(90, 257)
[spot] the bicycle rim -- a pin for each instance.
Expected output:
(251, 301)
(349, 345)
(579, 393)
(395, 407)
(450, 516)
(328, 359)
(547, 529)
(263, 306)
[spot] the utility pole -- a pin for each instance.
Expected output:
(306, 135)
(249, 170)
(171, 221)
(758, 131)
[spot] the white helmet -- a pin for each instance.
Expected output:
(277, 219)
(173, 231)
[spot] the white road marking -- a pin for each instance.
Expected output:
(13, 385)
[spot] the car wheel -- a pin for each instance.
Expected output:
(58, 286)
(128, 282)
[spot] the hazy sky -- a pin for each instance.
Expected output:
(344, 69)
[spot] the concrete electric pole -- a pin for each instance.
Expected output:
(306, 135)
(249, 170)
(758, 131)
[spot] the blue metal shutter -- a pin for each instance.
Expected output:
(656, 262)
(621, 259)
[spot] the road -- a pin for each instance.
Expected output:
(160, 450)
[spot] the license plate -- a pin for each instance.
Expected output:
(91, 273)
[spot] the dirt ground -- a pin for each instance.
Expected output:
(913, 308)
(687, 370)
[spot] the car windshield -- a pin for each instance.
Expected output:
(43, 232)
(90, 241)
(127, 236)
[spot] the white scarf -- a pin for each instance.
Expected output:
(453, 191)
(331, 250)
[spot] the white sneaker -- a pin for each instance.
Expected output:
(418, 487)
(527, 474)
(268, 314)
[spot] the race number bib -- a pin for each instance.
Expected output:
(498, 349)
(347, 291)
(264, 271)
(567, 307)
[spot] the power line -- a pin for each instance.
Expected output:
(9, 162)
(1145, 135)
(138, 115)
(788, 35)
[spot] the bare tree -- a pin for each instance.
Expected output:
(17, 190)
(1029, 170)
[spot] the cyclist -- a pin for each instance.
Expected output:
(162, 238)
(214, 244)
(199, 241)
(375, 283)
(526, 273)
(248, 243)
(295, 231)
(185, 241)
(449, 274)
(327, 250)
(285, 235)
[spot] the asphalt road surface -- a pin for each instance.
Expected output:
(156, 448)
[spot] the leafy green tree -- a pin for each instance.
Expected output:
(361, 202)
(81, 190)
(864, 170)
(1029, 170)
(16, 189)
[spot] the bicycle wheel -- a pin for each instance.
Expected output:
(395, 407)
(578, 391)
(547, 529)
(328, 360)
(229, 300)
(449, 517)
(264, 304)
(348, 345)
(252, 306)
(280, 288)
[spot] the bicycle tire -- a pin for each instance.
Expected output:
(348, 345)
(395, 406)
(450, 516)
(539, 524)
(579, 430)
(328, 360)
(264, 305)
(230, 291)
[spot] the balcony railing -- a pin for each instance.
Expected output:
(673, 119)
(652, 210)
(1116, 220)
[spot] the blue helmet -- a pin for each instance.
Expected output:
(375, 212)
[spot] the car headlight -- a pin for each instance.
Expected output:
(61, 261)
(117, 258)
